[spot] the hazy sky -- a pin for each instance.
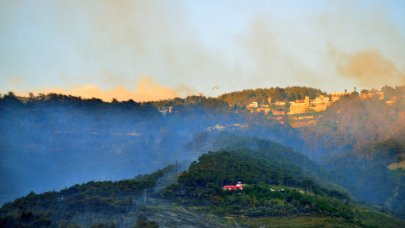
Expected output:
(148, 50)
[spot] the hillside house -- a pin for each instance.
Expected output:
(321, 99)
(320, 103)
(238, 186)
(253, 104)
(299, 107)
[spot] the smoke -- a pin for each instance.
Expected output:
(272, 60)
(194, 43)
(146, 89)
(370, 68)
(159, 38)
(154, 38)
(366, 45)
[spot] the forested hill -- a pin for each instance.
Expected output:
(276, 191)
(244, 97)
(275, 187)
(85, 205)
(265, 149)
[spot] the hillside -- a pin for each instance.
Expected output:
(360, 142)
(370, 181)
(276, 192)
(275, 188)
(206, 177)
(54, 141)
(126, 203)
(266, 149)
(355, 124)
(367, 177)
(88, 139)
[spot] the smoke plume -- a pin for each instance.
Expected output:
(146, 89)
(370, 68)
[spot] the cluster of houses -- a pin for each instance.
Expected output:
(301, 113)
(319, 104)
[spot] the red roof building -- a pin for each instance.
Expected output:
(238, 186)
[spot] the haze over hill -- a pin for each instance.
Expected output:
(54, 141)
(278, 183)
(305, 96)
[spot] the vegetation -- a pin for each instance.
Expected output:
(264, 149)
(353, 124)
(104, 197)
(353, 146)
(356, 140)
(242, 98)
(273, 189)
(278, 192)
(274, 194)
(370, 181)
(200, 104)
(88, 139)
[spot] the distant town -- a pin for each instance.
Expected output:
(302, 113)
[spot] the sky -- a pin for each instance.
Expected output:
(151, 50)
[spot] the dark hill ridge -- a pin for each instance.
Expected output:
(202, 183)
(265, 149)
